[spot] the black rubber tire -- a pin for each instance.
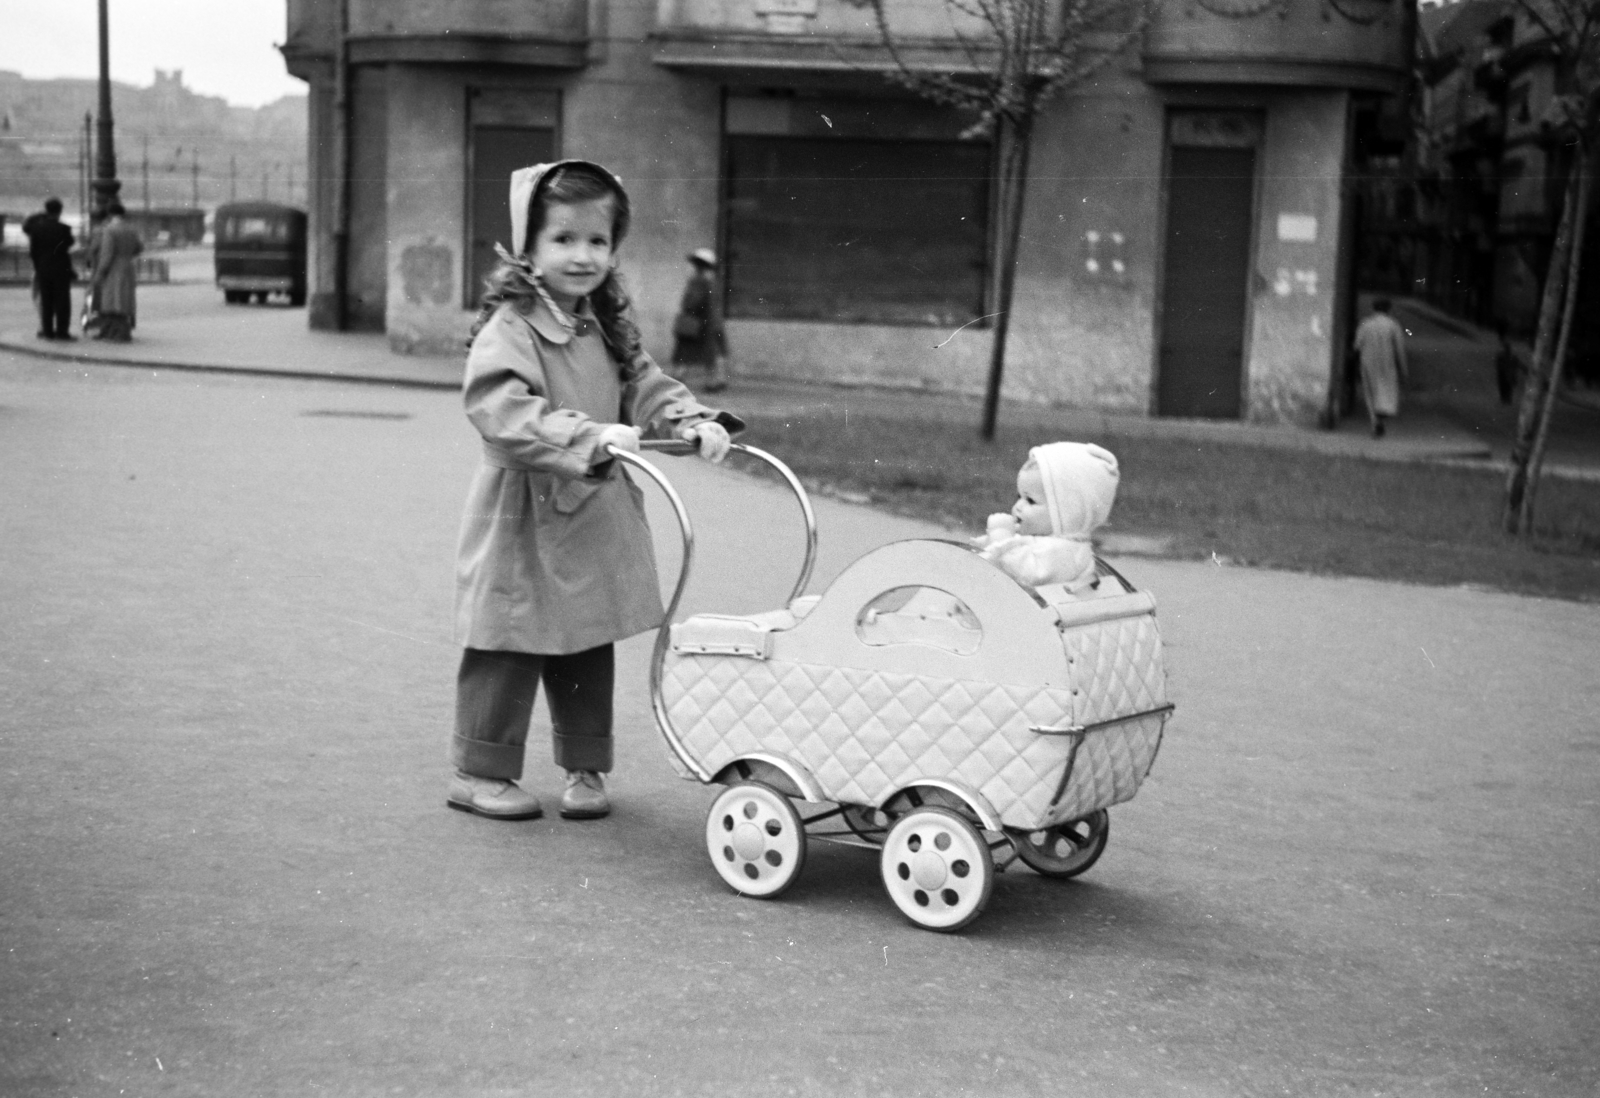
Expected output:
(1065, 850)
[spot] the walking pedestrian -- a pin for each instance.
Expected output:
(112, 285)
(1380, 344)
(50, 248)
(698, 335)
(1508, 364)
(555, 561)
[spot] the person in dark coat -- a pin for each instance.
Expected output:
(50, 248)
(1508, 364)
(699, 338)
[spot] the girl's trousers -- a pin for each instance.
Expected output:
(494, 704)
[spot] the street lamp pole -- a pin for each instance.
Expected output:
(106, 183)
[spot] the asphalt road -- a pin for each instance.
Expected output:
(1364, 865)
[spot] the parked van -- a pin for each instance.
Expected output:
(260, 250)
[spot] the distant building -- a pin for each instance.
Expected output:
(200, 150)
(172, 228)
(1186, 244)
(1467, 216)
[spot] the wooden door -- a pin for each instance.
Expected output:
(1210, 198)
(497, 151)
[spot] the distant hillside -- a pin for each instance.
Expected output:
(199, 147)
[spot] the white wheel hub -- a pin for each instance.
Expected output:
(929, 870)
(937, 869)
(756, 839)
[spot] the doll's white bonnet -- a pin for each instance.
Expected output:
(1080, 485)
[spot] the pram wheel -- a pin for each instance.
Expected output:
(937, 869)
(1065, 850)
(756, 839)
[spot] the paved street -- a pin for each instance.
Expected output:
(1364, 864)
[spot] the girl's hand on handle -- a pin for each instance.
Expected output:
(711, 439)
(621, 436)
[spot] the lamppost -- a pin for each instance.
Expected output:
(106, 183)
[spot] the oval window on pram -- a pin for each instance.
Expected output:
(920, 615)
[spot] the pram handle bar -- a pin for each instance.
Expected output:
(663, 635)
(681, 448)
(658, 657)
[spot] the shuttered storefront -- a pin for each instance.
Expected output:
(826, 217)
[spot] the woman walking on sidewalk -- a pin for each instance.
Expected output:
(1380, 344)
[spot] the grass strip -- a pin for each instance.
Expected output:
(1297, 510)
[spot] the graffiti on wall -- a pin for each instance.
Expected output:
(427, 274)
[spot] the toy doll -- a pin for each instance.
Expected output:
(1064, 493)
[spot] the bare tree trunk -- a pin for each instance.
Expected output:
(1558, 363)
(1013, 188)
(1540, 372)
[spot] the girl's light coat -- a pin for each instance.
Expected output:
(555, 555)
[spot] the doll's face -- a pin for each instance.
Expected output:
(1031, 511)
(573, 248)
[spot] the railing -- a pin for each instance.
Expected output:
(16, 268)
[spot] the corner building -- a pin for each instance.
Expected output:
(1185, 244)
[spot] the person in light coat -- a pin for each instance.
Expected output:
(555, 561)
(114, 278)
(1380, 344)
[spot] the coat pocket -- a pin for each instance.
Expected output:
(571, 493)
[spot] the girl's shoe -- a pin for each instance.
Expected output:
(585, 798)
(493, 798)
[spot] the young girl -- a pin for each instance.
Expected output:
(1064, 493)
(555, 560)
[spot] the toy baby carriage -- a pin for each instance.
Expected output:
(949, 716)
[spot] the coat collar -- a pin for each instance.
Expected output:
(551, 330)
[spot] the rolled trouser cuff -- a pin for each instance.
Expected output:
(583, 752)
(487, 760)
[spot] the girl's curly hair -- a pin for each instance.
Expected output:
(514, 279)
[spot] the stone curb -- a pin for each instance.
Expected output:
(201, 367)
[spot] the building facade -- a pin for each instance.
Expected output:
(1185, 241)
(1464, 211)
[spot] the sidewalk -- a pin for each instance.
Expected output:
(1453, 377)
(186, 326)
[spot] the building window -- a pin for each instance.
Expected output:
(859, 227)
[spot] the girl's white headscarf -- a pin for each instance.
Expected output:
(524, 181)
(1080, 485)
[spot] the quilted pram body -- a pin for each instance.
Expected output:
(924, 665)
